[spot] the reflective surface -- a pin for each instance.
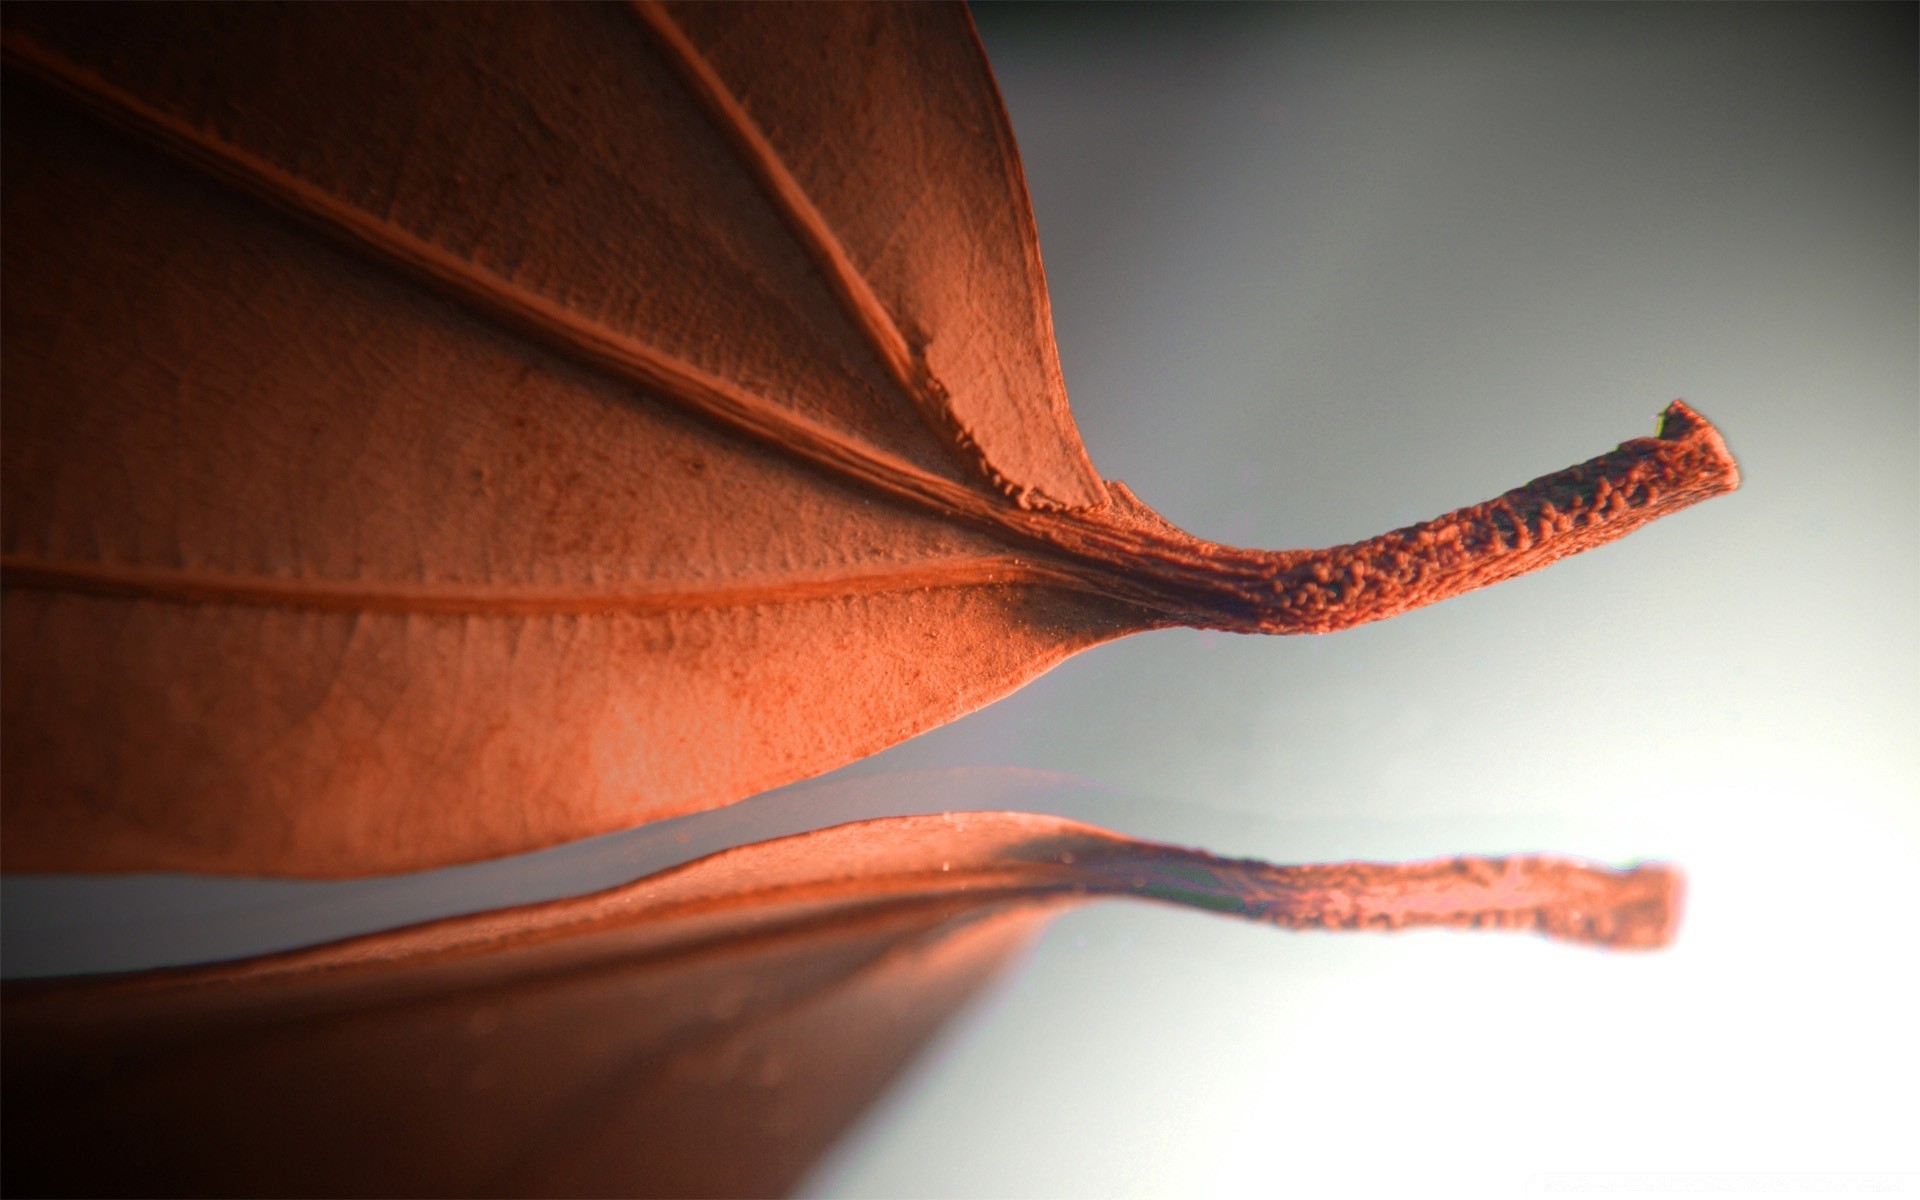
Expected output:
(1317, 272)
(1321, 270)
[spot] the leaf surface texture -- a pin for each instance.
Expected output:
(438, 432)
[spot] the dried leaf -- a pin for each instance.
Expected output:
(707, 1030)
(434, 433)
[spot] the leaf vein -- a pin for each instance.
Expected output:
(552, 324)
(191, 586)
(903, 361)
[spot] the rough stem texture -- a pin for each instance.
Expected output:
(1201, 583)
(437, 432)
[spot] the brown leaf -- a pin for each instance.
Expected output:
(707, 1030)
(434, 433)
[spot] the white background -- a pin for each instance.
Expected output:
(1320, 272)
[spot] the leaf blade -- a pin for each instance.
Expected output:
(312, 569)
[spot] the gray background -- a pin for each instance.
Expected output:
(1322, 271)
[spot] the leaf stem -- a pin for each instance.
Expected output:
(1637, 908)
(1206, 585)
